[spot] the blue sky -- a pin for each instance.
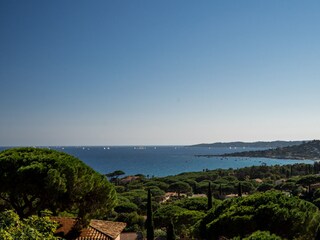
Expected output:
(158, 72)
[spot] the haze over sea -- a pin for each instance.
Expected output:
(163, 160)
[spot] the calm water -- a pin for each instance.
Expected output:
(163, 161)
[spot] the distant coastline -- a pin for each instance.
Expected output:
(258, 144)
(306, 151)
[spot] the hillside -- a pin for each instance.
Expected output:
(259, 144)
(308, 150)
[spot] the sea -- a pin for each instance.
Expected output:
(160, 161)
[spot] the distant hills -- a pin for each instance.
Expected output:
(307, 150)
(260, 144)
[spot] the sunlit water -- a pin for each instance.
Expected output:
(163, 161)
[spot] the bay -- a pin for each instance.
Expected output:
(163, 160)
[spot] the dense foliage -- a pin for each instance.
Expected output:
(261, 235)
(35, 179)
(33, 227)
(183, 198)
(287, 217)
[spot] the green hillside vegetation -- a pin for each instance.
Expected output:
(308, 150)
(284, 216)
(294, 185)
(258, 202)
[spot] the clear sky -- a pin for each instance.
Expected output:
(158, 72)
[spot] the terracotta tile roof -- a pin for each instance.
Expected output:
(112, 229)
(97, 229)
(129, 236)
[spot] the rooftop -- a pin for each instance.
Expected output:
(97, 229)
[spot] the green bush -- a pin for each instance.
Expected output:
(34, 179)
(126, 207)
(164, 214)
(195, 203)
(33, 227)
(287, 217)
(262, 235)
(263, 187)
(134, 221)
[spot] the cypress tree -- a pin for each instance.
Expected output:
(315, 167)
(220, 190)
(209, 195)
(149, 221)
(170, 231)
(239, 190)
(287, 174)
